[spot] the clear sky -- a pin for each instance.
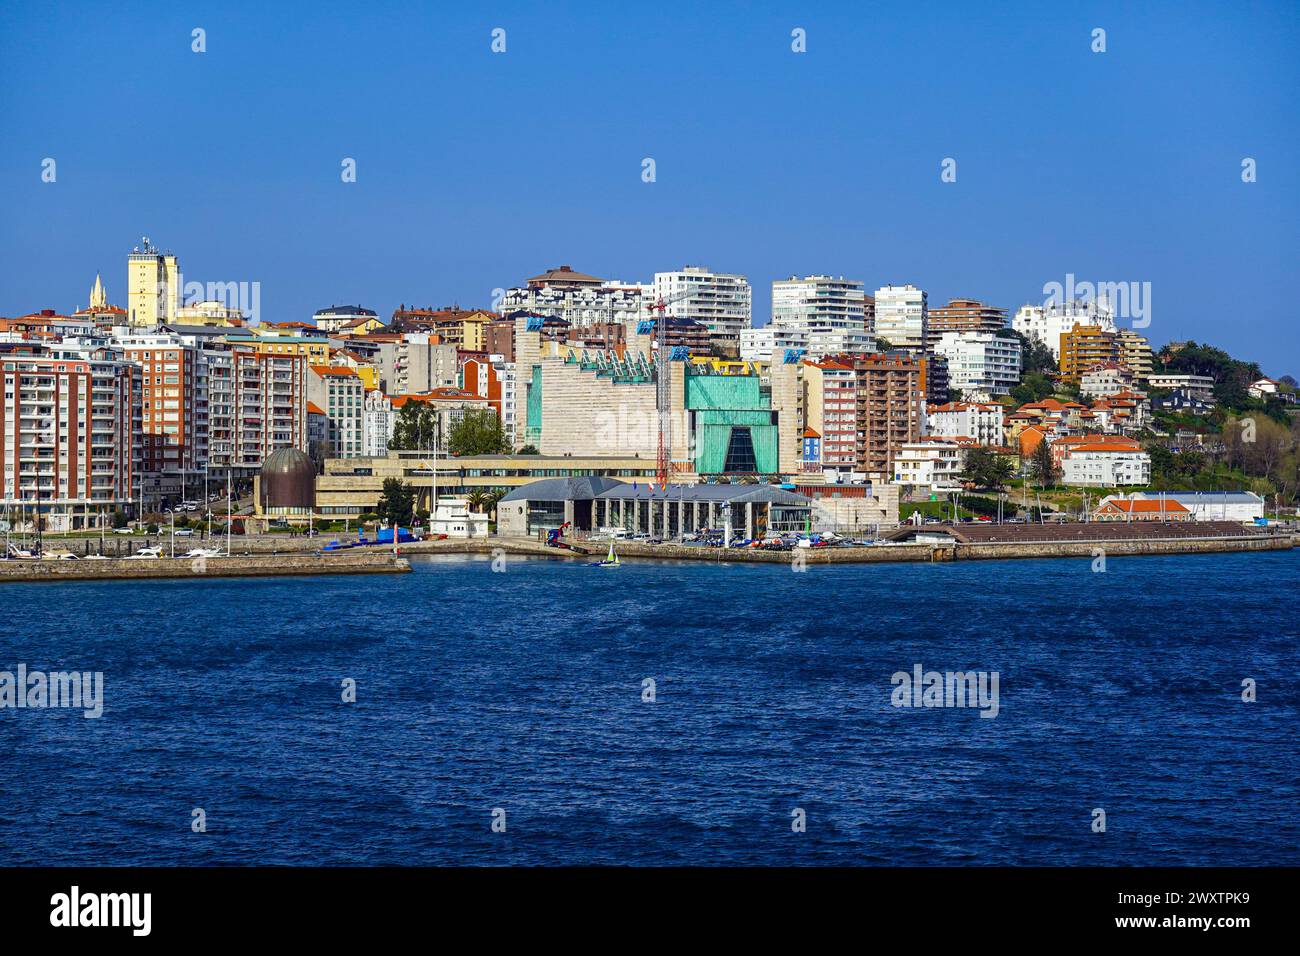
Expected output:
(476, 170)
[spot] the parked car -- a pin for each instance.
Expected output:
(184, 532)
(124, 531)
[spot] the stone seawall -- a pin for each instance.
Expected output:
(234, 566)
(953, 552)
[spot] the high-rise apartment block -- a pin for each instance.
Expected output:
(153, 286)
(902, 316)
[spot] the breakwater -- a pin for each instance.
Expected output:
(223, 567)
(930, 553)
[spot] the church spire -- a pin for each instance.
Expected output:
(98, 298)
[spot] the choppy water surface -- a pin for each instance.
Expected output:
(523, 691)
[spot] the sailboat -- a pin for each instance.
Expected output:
(611, 559)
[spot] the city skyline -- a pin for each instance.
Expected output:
(459, 194)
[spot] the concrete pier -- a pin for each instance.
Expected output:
(266, 565)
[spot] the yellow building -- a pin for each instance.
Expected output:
(1085, 346)
(153, 286)
(316, 350)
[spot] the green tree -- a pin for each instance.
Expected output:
(1041, 465)
(118, 519)
(479, 432)
(985, 468)
(397, 503)
(1035, 357)
(1034, 387)
(477, 500)
(528, 450)
(416, 427)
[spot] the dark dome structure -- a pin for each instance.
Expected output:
(288, 480)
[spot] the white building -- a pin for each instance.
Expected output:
(828, 313)
(71, 424)
(1105, 466)
(981, 365)
(339, 391)
(759, 345)
(979, 421)
(1105, 379)
(415, 365)
(338, 317)
(1197, 386)
(936, 464)
(1047, 323)
(377, 423)
(721, 301)
(1212, 505)
(902, 316)
(580, 299)
(452, 517)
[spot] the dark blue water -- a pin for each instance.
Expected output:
(523, 690)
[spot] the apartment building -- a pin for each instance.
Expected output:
(578, 299)
(336, 318)
(759, 345)
(963, 315)
(174, 410)
(1135, 353)
(830, 313)
(465, 329)
(1196, 386)
(902, 316)
(153, 286)
(931, 463)
(257, 403)
(1083, 347)
(1048, 323)
(378, 419)
(981, 365)
(1104, 465)
(68, 434)
(720, 301)
(831, 409)
(414, 363)
(1105, 379)
(340, 392)
(890, 409)
(979, 421)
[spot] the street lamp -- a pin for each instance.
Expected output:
(173, 533)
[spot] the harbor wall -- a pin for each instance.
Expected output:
(234, 566)
(956, 552)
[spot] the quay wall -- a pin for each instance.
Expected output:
(956, 552)
(234, 566)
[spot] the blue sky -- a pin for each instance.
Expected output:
(476, 170)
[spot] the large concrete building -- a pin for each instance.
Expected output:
(69, 434)
(1048, 323)
(902, 316)
(1085, 346)
(603, 403)
(963, 315)
(153, 286)
(721, 301)
(891, 409)
(351, 487)
(981, 365)
(829, 314)
(579, 299)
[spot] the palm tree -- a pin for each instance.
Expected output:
(477, 500)
(493, 499)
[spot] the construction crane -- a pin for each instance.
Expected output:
(663, 381)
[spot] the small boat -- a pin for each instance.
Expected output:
(611, 559)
